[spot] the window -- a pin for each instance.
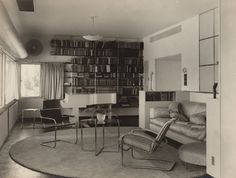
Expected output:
(11, 80)
(1, 79)
(30, 80)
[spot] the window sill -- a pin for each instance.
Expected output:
(7, 106)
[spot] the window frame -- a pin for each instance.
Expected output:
(39, 96)
(2, 70)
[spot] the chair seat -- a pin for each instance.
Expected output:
(139, 141)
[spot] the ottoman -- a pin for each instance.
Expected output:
(193, 153)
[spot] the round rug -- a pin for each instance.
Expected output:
(68, 160)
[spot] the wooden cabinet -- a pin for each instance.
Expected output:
(213, 137)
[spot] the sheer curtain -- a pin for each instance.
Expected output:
(11, 80)
(52, 80)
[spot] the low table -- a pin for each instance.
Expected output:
(107, 122)
(193, 153)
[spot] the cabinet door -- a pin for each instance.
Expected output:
(207, 24)
(207, 51)
(206, 78)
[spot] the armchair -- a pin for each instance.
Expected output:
(52, 109)
(147, 141)
(54, 126)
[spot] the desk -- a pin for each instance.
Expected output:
(23, 116)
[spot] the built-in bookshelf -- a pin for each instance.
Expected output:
(103, 67)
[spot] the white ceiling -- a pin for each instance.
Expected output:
(116, 18)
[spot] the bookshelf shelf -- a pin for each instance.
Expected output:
(102, 67)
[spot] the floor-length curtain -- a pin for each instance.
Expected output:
(52, 80)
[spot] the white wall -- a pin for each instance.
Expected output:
(8, 117)
(228, 88)
(168, 80)
(200, 97)
(45, 55)
(185, 43)
(3, 127)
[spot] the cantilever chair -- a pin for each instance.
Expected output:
(147, 141)
(100, 117)
(54, 126)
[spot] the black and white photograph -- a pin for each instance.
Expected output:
(117, 89)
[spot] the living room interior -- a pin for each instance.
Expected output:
(109, 83)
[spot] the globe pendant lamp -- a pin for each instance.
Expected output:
(93, 37)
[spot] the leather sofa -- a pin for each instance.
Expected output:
(182, 131)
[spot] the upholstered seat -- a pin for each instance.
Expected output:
(193, 153)
(139, 142)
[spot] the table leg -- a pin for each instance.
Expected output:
(22, 119)
(34, 121)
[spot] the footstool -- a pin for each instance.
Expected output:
(193, 153)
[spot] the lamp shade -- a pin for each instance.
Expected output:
(92, 37)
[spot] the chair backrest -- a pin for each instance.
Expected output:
(53, 113)
(162, 133)
(51, 104)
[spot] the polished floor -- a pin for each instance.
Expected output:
(10, 169)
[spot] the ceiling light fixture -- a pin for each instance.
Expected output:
(93, 37)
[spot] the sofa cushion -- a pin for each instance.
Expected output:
(184, 128)
(198, 118)
(190, 108)
(176, 111)
(159, 112)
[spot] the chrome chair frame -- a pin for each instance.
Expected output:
(55, 126)
(155, 143)
(108, 120)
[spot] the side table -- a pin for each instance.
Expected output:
(32, 110)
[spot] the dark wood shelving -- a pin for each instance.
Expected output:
(103, 67)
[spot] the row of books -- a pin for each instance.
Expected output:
(82, 82)
(130, 53)
(160, 96)
(128, 75)
(83, 52)
(124, 76)
(129, 91)
(106, 82)
(106, 90)
(83, 60)
(130, 61)
(71, 43)
(76, 90)
(131, 45)
(106, 68)
(130, 69)
(106, 75)
(107, 60)
(95, 44)
(129, 82)
(79, 75)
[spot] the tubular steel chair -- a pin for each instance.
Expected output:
(147, 141)
(100, 117)
(54, 126)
